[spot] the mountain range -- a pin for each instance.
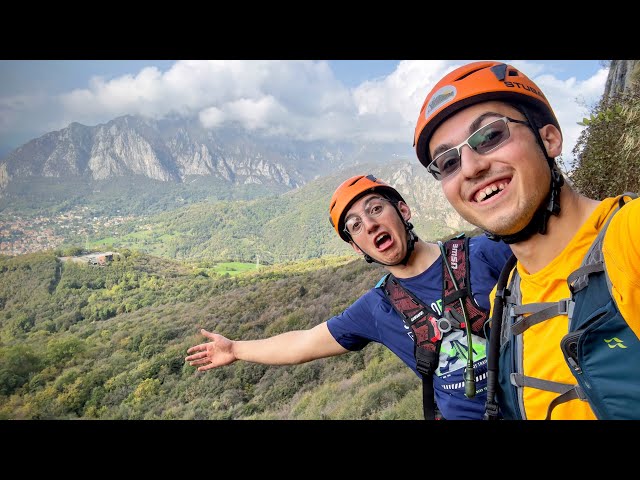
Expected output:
(156, 170)
(174, 149)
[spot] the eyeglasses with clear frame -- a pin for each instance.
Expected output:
(484, 140)
(354, 225)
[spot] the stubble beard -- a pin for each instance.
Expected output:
(510, 223)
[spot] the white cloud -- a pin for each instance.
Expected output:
(300, 98)
(211, 117)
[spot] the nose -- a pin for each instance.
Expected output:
(370, 224)
(471, 162)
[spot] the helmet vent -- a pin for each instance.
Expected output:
(500, 71)
(468, 73)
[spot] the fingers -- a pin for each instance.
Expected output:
(196, 356)
(201, 353)
(200, 361)
(198, 348)
(209, 335)
(202, 346)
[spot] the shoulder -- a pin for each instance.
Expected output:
(622, 230)
(625, 223)
(621, 252)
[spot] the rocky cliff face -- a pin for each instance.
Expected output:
(171, 150)
(622, 74)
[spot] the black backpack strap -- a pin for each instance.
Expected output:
(429, 409)
(423, 323)
(457, 254)
(493, 353)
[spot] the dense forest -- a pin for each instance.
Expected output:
(85, 341)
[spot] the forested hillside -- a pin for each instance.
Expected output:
(83, 341)
(276, 228)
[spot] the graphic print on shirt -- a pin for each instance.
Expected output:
(453, 358)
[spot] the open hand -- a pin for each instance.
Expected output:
(216, 353)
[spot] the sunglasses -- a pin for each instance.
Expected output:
(484, 140)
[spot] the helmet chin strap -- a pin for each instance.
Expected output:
(550, 205)
(412, 238)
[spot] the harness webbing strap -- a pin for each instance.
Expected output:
(423, 323)
(579, 279)
(418, 317)
(575, 393)
(567, 392)
(492, 410)
(458, 257)
(539, 313)
(519, 380)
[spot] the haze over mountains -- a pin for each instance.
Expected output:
(171, 150)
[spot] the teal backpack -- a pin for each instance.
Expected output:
(601, 350)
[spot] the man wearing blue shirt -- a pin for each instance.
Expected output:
(374, 219)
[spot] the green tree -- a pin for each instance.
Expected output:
(607, 154)
(18, 363)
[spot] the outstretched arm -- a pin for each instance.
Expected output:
(288, 348)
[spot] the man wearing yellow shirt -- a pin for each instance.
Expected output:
(489, 135)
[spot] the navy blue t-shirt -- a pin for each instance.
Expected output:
(372, 318)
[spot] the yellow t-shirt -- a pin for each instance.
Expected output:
(541, 342)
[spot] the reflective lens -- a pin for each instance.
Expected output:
(483, 140)
(354, 224)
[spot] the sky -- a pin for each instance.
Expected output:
(364, 100)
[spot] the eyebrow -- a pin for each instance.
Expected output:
(366, 204)
(475, 125)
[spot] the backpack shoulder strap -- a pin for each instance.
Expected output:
(422, 321)
(420, 318)
(457, 255)
(594, 259)
(495, 333)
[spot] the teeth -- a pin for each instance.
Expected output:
(482, 194)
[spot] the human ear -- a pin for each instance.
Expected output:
(552, 139)
(404, 210)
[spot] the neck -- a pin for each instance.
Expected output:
(539, 250)
(422, 257)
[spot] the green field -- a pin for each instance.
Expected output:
(233, 268)
(148, 242)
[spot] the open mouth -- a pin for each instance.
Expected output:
(490, 191)
(382, 241)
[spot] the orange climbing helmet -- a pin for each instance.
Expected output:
(474, 83)
(349, 191)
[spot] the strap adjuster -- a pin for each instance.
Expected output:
(565, 307)
(491, 411)
(425, 368)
